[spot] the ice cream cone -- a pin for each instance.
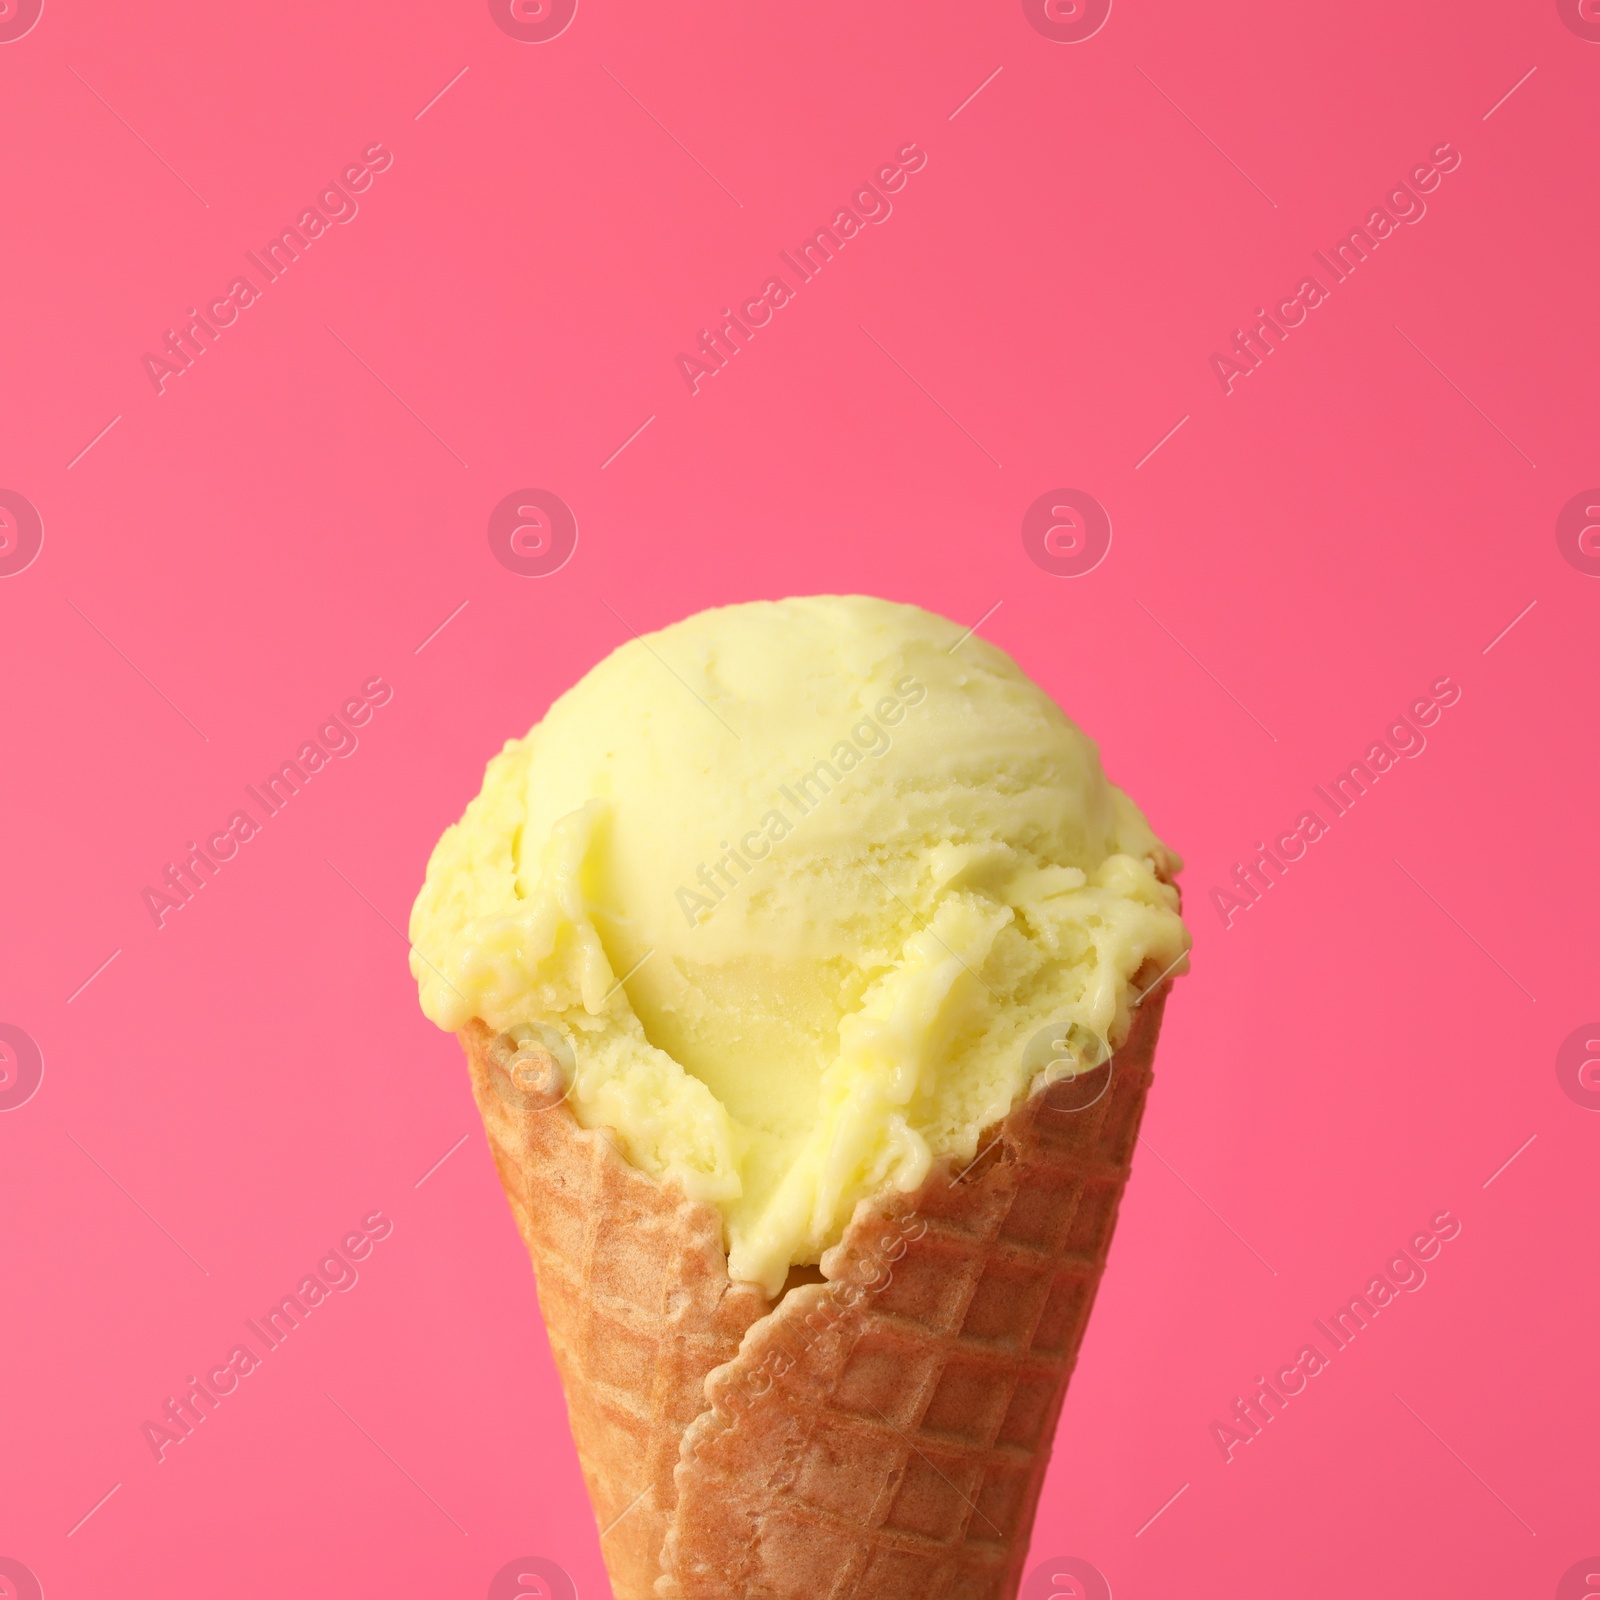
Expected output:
(883, 1432)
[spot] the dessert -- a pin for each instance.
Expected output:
(808, 969)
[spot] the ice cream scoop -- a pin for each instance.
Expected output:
(792, 885)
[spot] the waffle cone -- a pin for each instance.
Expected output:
(881, 1433)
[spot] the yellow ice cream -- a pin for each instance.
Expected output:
(798, 882)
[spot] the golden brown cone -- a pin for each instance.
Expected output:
(881, 1434)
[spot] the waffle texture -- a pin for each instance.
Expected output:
(636, 1298)
(882, 1433)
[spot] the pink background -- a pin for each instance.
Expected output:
(303, 509)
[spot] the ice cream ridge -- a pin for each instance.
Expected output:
(794, 885)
